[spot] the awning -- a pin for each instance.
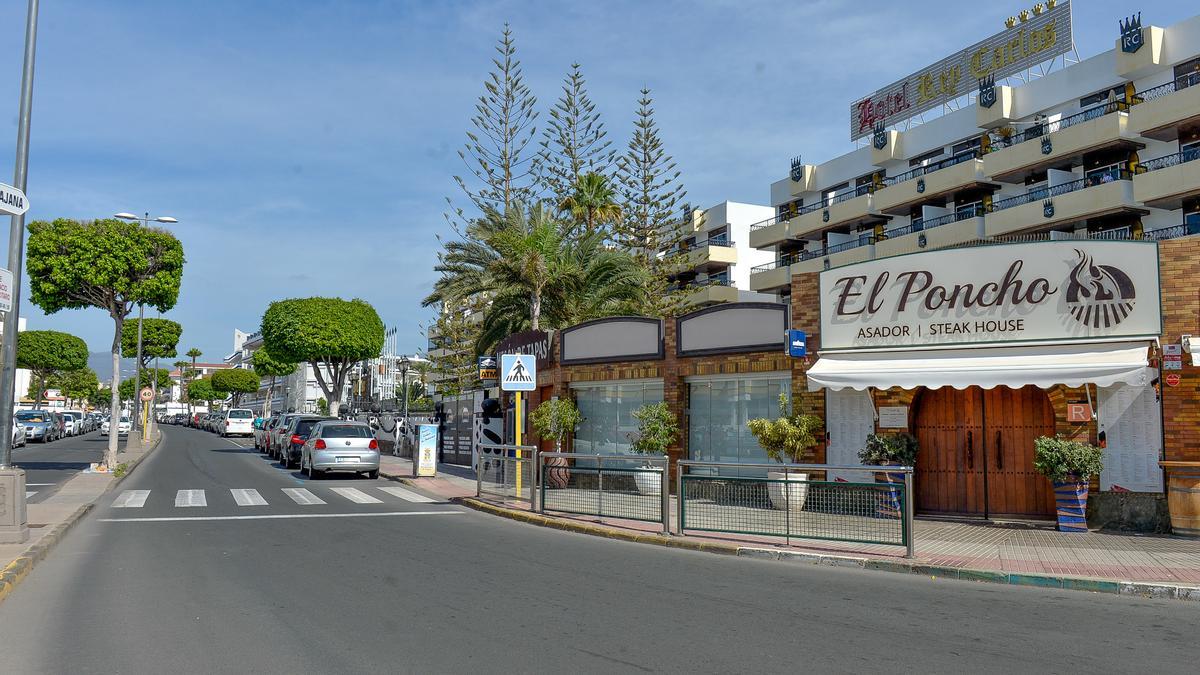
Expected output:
(1101, 364)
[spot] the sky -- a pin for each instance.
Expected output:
(308, 148)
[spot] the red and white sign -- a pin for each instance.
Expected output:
(1079, 412)
(1173, 379)
(146, 394)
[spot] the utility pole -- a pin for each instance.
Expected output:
(14, 528)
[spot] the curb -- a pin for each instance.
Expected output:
(134, 464)
(17, 570)
(1070, 583)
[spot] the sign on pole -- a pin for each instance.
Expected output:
(146, 394)
(520, 372)
(12, 201)
(487, 368)
(6, 290)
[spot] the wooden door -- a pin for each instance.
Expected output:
(1013, 418)
(950, 465)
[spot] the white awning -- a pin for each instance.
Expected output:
(1101, 364)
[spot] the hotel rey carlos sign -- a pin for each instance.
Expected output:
(1046, 291)
(1034, 36)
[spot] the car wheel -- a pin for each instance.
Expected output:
(373, 474)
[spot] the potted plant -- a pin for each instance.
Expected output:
(890, 450)
(554, 419)
(1070, 466)
(787, 438)
(657, 430)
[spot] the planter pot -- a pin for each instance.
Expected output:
(649, 480)
(555, 473)
(784, 495)
(889, 505)
(1070, 501)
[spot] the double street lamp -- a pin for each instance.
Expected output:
(137, 386)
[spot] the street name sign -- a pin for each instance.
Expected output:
(6, 290)
(12, 201)
(520, 372)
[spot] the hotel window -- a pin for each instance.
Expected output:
(790, 208)
(1189, 151)
(969, 145)
(926, 158)
(1187, 74)
(607, 411)
(833, 191)
(718, 410)
(1118, 93)
(1104, 174)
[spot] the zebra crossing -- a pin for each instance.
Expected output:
(248, 497)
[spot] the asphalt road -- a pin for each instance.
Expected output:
(48, 465)
(408, 586)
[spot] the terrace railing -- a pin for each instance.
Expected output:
(632, 487)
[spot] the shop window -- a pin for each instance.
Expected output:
(607, 410)
(717, 414)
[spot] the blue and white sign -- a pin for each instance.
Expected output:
(425, 463)
(519, 372)
(797, 344)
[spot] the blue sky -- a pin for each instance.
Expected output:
(308, 147)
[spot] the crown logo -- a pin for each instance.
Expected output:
(1048, 208)
(1051, 3)
(1131, 33)
(1024, 15)
(797, 172)
(1037, 9)
(987, 91)
(1010, 21)
(879, 139)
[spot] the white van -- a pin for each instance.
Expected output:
(238, 422)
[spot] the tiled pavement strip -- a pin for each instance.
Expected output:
(972, 546)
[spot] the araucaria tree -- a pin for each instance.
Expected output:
(159, 339)
(235, 382)
(266, 365)
(651, 227)
(331, 334)
(110, 264)
(48, 354)
(573, 141)
(497, 152)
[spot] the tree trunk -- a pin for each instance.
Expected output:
(37, 399)
(266, 409)
(535, 310)
(114, 422)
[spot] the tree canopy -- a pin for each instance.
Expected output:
(267, 365)
(160, 337)
(77, 385)
(235, 381)
(201, 390)
(163, 383)
(332, 334)
(47, 351)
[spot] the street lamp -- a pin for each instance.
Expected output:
(137, 384)
(404, 380)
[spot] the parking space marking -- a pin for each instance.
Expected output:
(248, 497)
(408, 495)
(355, 495)
(190, 498)
(131, 499)
(302, 496)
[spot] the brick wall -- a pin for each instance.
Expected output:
(1179, 270)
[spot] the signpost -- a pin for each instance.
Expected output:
(487, 368)
(425, 461)
(12, 201)
(6, 290)
(520, 375)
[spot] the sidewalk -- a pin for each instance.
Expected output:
(51, 519)
(982, 551)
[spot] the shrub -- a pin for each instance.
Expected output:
(899, 448)
(657, 429)
(1065, 461)
(788, 437)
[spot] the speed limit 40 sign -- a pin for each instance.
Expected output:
(146, 394)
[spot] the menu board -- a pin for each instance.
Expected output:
(850, 417)
(1131, 420)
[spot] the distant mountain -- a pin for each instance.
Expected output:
(101, 362)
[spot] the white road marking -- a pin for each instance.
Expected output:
(355, 495)
(38, 484)
(408, 495)
(248, 497)
(302, 496)
(30, 493)
(190, 498)
(281, 516)
(131, 499)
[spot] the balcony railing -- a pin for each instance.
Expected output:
(1189, 155)
(1173, 232)
(1181, 82)
(722, 240)
(919, 225)
(1062, 189)
(773, 220)
(930, 168)
(859, 191)
(1039, 130)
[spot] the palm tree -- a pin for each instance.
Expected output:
(193, 353)
(592, 202)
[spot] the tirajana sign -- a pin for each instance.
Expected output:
(1039, 35)
(1039, 291)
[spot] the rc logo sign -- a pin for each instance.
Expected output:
(1099, 296)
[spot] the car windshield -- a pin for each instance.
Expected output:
(346, 431)
(240, 415)
(124, 419)
(303, 427)
(31, 417)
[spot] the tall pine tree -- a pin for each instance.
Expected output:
(573, 142)
(496, 151)
(653, 225)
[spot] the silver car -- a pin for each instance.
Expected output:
(337, 445)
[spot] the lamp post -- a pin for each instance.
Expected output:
(404, 380)
(137, 382)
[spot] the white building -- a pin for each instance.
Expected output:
(720, 257)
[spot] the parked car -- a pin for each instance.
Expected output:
(237, 422)
(18, 435)
(39, 425)
(295, 434)
(73, 422)
(275, 438)
(123, 426)
(262, 429)
(336, 445)
(61, 423)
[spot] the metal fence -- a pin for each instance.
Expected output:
(635, 487)
(797, 501)
(506, 471)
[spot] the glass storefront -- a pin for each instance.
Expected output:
(607, 410)
(718, 410)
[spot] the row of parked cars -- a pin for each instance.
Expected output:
(234, 422)
(50, 425)
(317, 445)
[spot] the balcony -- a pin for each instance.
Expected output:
(717, 252)
(933, 233)
(1167, 181)
(1162, 110)
(853, 207)
(775, 275)
(1062, 205)
(772, 276)
(925, 183)
(768, 233)
(711, 291)
(1060, 142)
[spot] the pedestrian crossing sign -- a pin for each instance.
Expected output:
(520, 372)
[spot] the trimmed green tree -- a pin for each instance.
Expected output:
(555, 419)
(235, 382)
(110, 264)
(48, 353)
(267, 365)
(330, 334)
(159, 339)
(79, 386)
(160, 376)
(201, 390)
